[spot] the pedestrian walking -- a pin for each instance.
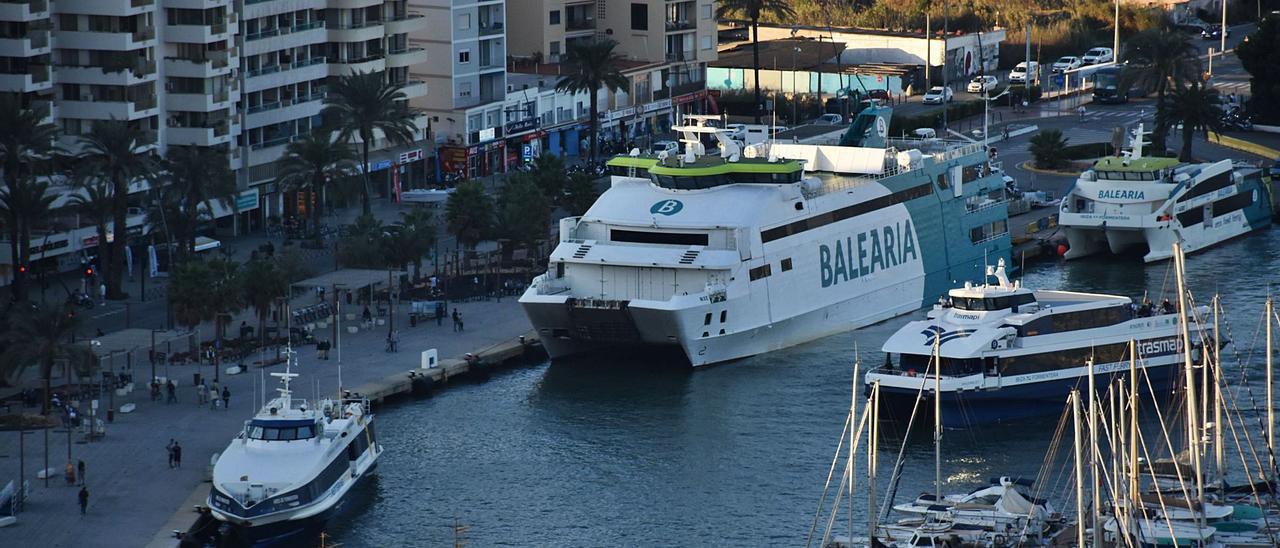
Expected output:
(173, 391)
(84, 499)
(155, 389)
(202, 393)
(226, 397)
(457, 320)
(169, 449)
(1080, 109)
(70, 473)
(177, 455)
(367, 316)
(80, 467)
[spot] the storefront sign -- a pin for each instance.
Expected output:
(691, 97)
(527, 124)
(487, 134)
(622, 113)
(410, 156)
(657, 105)
(247, 200)
(379, 166)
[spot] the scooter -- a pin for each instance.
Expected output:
(81, 299)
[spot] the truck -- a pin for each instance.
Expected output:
(1110, 85)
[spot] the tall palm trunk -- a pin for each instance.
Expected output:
(18, 289)
(595, 122)
(317, 183)
(111, 261)
(46, 370)
(755, 60)
(364, 191)
(1187, 133)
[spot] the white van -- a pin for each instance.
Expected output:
(1019, 73)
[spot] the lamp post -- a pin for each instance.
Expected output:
(986, 105)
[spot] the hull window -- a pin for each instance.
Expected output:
(641, 237)
(762, 271)
(843, 213)
(786, 264)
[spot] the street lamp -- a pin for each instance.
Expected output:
(986, 105)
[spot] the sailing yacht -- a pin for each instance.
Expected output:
(293, 465)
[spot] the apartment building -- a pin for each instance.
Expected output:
(466, 41)
(242, 76)
(666, 43)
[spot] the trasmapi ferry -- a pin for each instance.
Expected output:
(759, 249)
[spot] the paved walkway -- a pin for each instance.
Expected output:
(132, 490)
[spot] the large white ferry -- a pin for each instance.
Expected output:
(728, 256)
(293, 465)
(1008, 352)
(1131, 202)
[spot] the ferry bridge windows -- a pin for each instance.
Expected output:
(288, 433)
(1233, 203)
(978, 304)
(942, 181)
(644, 237)
(970, 173)
(762, 271)
(686, 182)
(843, 213)
(1062, 359)
(1217, 182)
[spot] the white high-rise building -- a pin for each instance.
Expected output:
(243, 76)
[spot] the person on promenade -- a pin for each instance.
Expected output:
(173, 391)
(177, 455)
(70, 473)
(367, 316)
(457, 320)
(169, 448)
(84, 499)
(80, 466)
(226, 397)
(1081, 110)
(155, 389)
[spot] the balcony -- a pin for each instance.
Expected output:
(35, 43)
(368, 63)
(285, 38)
(363, 32)
(112, 41)
(489, 29)
(275, 76)
(198, 102)
(285, 110)
(197, 34)
(406, 57)
(106, 109)
(132, 72)
(682, 55)
(24, 10)
(37, 78)
(407, 23)
(213, 63)
(676, 26)
(575, 24)
(414, 88)
(199, 136)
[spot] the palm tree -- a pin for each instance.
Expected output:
(1197, 108)
(593, 65)
(310, 163)
(263, 283)
(112, 149)
(95, 203)
(1049, 149)
(419, 228)
(363, 102)
(24, 139)
(199, 176)
(1161, 59)
(43, 337)
(25, 203)
(523, 213)
(469, 213)
(779, 10)
(579, 194)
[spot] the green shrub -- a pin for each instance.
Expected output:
(899, 125)
(1049, 149)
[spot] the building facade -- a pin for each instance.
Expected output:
(244, 77)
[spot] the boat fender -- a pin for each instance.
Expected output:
(1000, 540)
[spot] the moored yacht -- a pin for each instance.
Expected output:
(731, 255)
(1008, 352)
(293, 465)
(1148, 203)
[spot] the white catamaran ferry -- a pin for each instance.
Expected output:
(1133, 201)
(1008, 352)
(729, 256)
(293, 465)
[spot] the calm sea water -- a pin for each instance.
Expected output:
(614, 453)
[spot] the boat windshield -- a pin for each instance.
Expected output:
(978, 304)
(281, 433)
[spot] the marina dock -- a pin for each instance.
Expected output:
(523, 349)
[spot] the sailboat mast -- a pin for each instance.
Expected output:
(937, 420)
(1271, 419)
(873, 460)
(1219, 455)
(1093, 455)
(1075, 418)
(1133, 433)
(1193, 421)
(853, 415)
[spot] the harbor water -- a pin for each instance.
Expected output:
(610, 452)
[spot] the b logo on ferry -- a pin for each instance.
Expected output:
(867, 252)
(1122, 195)
(666, 207)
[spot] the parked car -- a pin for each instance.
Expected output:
(1097, 56)
(881, 94)
(1019, 73)
(670, 147)
(1214, 32)
(980, 84)
(937, 95)
(1063, 64)
(925, 133)
(829, 119)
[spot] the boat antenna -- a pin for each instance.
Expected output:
(337, 337)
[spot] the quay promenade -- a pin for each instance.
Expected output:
(132, 491)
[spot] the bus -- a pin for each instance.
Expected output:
(1107, 87)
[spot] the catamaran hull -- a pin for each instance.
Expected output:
(704, 343)
(966, 409)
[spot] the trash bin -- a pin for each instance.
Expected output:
(111, 415)
(413, 320)
(195, 381)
